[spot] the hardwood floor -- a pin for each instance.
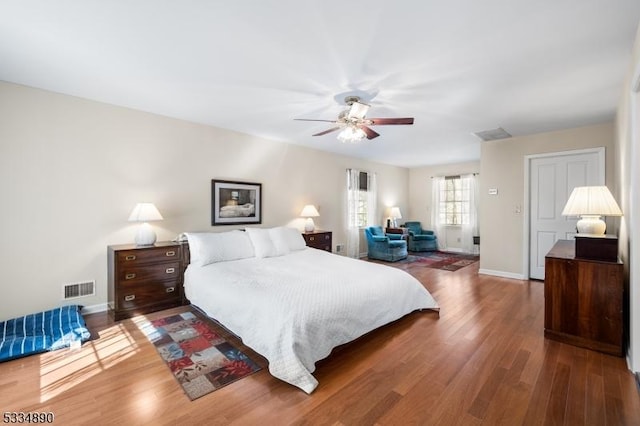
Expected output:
(483, 360)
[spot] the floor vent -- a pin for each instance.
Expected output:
(81, 289)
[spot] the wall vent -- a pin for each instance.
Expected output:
(81, 289)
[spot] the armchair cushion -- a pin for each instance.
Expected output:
(424, 237)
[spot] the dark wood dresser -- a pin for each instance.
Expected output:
(583, 300)
(144, 279)
(318, 239)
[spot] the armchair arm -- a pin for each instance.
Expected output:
(426, 232)
(394, 236)
(380, 239)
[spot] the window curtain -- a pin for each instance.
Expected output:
(353, 200)
(470, 228)
(437, 205)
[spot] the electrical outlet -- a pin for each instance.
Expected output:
(339, 248)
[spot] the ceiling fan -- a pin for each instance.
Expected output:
(354, 124)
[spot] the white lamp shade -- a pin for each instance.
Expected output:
(591, 201)
(309, 211)
(395, 213)
(144, 212)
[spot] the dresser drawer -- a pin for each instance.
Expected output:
(132, 274)
(152, 255)
(319, 240)
(148, 294)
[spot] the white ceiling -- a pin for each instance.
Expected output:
(457, 66)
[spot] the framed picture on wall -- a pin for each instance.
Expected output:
(234, 203)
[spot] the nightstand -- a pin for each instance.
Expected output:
(583, 300)
(144, 279)
(318, 239)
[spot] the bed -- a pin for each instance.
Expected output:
(290, 303)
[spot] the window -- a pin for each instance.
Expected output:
(361, 193)
(454, 201)
(359, 199)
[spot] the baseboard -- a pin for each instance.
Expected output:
(501, 274)
(453, 250)
(101, 307)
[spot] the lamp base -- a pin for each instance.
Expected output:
(591, 224)
(309, 226)
(145, 235)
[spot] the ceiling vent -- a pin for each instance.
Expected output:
(493, 134)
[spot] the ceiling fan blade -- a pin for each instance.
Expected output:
(313, 119)
(369, 132)
(378, 121)
(333, 129)
(358, 110)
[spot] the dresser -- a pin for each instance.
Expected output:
(144, 279)
(583, 300)
(318, 239)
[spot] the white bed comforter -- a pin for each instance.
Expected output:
(295, 309)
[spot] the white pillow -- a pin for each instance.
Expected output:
(291, 238)
(262, 244)
(279, 240)
(211, 247)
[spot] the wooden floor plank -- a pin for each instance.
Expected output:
(482, 360)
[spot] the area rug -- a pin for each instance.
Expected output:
(200, 359)
(442, 260)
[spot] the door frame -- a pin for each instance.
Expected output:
(526, 249)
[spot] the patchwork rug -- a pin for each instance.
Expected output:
(198, 356)
(442, 260)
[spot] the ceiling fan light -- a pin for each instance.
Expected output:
(358, 110)
(351, 134)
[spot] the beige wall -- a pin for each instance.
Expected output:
(71, 170)
(502, 167)
(628, 196)
(420, 194)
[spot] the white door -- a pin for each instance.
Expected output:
(551, 180)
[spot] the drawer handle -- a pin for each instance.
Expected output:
(312, 238)
(130, 297)
(326, 237)
(130, 257)
(129, 276)
(170, 270)
(170, 253)
(170, 289)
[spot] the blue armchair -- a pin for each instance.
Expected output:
(420, 239)
(389, 247)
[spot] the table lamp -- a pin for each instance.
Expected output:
(395, 215)
(591, 202)
(309, 211)
(145, 212)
